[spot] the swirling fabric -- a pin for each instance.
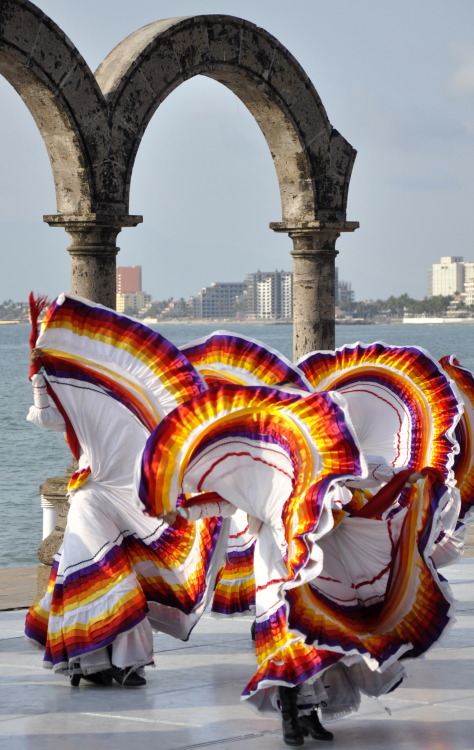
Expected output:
(223, 357)
(464, 459)
(402, 403)
(332, 588)
(328, 589)
(113, 379)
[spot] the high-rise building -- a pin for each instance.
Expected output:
(286, 304)
(469, 283)
(344, 294)
(130, 296)
(343, 291)
(447, 276)
(129, 279)
(219, 300)
(269, 295)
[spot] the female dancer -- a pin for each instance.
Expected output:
(107, 381)
(361, 607)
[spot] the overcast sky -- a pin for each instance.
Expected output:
(396, 79)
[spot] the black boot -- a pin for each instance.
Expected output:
(127, 677)
(311, 725)
(98, 678)
(292, 732)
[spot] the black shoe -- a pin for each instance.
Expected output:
(253, 628)
(98, 678)
(75, 679)
(127, 677)
(293, 734)
(311, 725)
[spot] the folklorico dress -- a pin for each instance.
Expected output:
(93, 549)
(294, 481)
(109, 381)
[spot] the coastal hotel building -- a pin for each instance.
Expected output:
(452, 275)
(130, 297)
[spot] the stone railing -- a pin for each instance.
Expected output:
(55, 509)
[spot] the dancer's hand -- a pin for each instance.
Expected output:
(171, 517)
(36, 354)
(414, 477)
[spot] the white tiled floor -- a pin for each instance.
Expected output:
(192, 696)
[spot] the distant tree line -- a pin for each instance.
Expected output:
(157, 306)
(10, 310)
(393, 307)
(397, 307)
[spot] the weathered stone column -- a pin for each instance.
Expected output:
(314, 274)
(93, 252)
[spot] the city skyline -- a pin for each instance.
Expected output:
(400, 90)
(452, 283)
(451, 275)
(268, 294)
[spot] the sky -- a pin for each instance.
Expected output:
(397, 81)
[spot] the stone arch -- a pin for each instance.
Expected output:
(313, 161)
(92, 127)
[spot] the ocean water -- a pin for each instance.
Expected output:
(29, 455)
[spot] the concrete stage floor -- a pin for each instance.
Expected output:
(192, 699)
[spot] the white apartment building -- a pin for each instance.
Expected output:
(469, 283)
(132, 302)
(447, 276)
(287, 296)
(264, 292)
(219, 300)
(269, 295)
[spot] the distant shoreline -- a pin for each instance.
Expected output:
(436, 321)
(216, 321)
(227, 321)
(357, 322)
